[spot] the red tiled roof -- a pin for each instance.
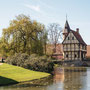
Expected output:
(78, 36)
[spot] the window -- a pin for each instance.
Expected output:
(65, 27)
(72, 38)
(67, 55)
(75, 56)
(68, 38)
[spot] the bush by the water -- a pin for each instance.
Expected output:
(33, 62)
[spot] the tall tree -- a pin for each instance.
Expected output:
(54, 34)
(45, 40)
(23, 35)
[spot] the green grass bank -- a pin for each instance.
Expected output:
(10, 74)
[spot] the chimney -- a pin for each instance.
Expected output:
(77, 30)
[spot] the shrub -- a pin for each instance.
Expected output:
(13, 59)
(18, 59)
(33, 62)
(39, 63)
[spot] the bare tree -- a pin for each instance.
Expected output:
(54, 34)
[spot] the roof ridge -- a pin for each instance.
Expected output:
(79, 37)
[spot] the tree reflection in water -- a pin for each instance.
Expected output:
(72, 78)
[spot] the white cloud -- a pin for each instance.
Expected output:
(33, 7)
(45, 4)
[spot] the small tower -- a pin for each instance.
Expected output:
(74, 47)
(66, 29)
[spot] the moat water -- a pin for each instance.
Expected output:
(63, 79)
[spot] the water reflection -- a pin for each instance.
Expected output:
(72, 78)
(58, 75)
(63, 79)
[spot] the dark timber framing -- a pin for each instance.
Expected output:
(73, 44)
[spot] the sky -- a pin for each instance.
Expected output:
(49, 11)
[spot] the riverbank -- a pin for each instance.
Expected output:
(10, 74)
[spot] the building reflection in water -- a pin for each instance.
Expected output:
(72, 78)
(58, 75)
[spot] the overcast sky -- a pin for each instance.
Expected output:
(49, 11)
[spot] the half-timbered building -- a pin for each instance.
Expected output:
(74, 47)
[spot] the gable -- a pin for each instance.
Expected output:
(71, 38)
(79, 38)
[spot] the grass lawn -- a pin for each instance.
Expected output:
(10, 74)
